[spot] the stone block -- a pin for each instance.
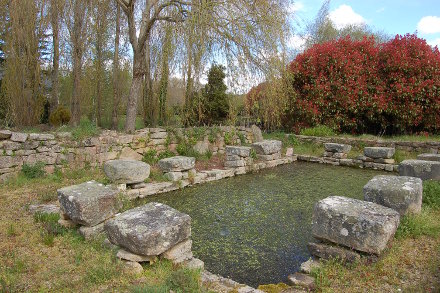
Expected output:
(361, 225)
(337, 147)
(89, 203)
(429, 157)
(19, 137)
(180, 252)
(128, 153)
(126, 171)
(5, 134)
(379, 152)
(126, 255)
(240, 151)
(424, 170)
(174, 176)
(149, 230)
(328, 252)
(177, 164)
(401, 193)
(267, 147)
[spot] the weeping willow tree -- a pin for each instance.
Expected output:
(248, 37)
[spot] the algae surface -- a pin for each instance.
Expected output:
(254, 228)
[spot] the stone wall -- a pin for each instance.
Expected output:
(412, 146)
(61, 150)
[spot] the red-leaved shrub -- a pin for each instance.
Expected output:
(365, 87)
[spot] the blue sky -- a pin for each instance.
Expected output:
(391, 16)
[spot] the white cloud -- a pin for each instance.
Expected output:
(380, 10)
(435, 42)
(429, 25)
(296, 42)
(344, 16)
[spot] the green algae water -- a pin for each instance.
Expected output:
(254, 228)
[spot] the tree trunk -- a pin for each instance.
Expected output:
(149, 105)
(135, 91)
(76, 93)
(99, 72)
(54, 7)
(116, 95)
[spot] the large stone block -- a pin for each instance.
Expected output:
(89, 203)
(379, 152)
(401, 193)
(177, 164)
(424, 170)
(337, 147)
(240, 151)
(361, 225)
(5, 134)
(126, 171)
(149, 230)
(267, 147)
(256, 133)
(429, 157)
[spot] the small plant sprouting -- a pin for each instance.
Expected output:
(34, 171)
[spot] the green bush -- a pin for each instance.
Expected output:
(60, 116)
(319, 130)
(33, 171)
(86, 128)
(150, 157)
(166, 154)
(431, 194)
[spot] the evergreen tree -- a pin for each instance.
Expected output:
(216, 98)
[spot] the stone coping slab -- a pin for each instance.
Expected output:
(429, 157)
(424, 170)
(337, 147)
(126, 171)
(361, 225)
(379, 152)
(401, 193)
(89, 203)
(267, 147)
(149, 230)
(177, 164)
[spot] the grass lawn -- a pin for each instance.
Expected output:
(38, 255)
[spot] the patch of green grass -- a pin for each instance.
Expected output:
(164, 278)
(33, 171)
(431, 194)
(156, 175)
(424, 224)
(401, 155)
(85, 129)
(11, 231)
(50, 227)
(309, 148)
(319, 130)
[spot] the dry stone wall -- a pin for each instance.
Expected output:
(58, 150)
(432, 147)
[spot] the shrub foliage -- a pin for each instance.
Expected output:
(363, 87)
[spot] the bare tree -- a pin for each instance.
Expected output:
(152, 12)
(56, 10)
(116, 87)
(77, 24)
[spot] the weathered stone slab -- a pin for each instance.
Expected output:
(174, 176)
(328, 252)
(256, 133)
(123, 254)
(89, 203)
(5, 134)
(149, 230)
(401, 193)
(429, 157)
(126, 171)
(361, 225)
(267, 147)
(379, 152)
(41, 136)
(132, 267)
(337, 147)
(91, 232)
(8, 161)
(235, 164)
(128, 153)
(424, 170)
(180, 252)
(194, 264)
(19, 137)
(240, 151)
(301, 280)
(177, 164)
